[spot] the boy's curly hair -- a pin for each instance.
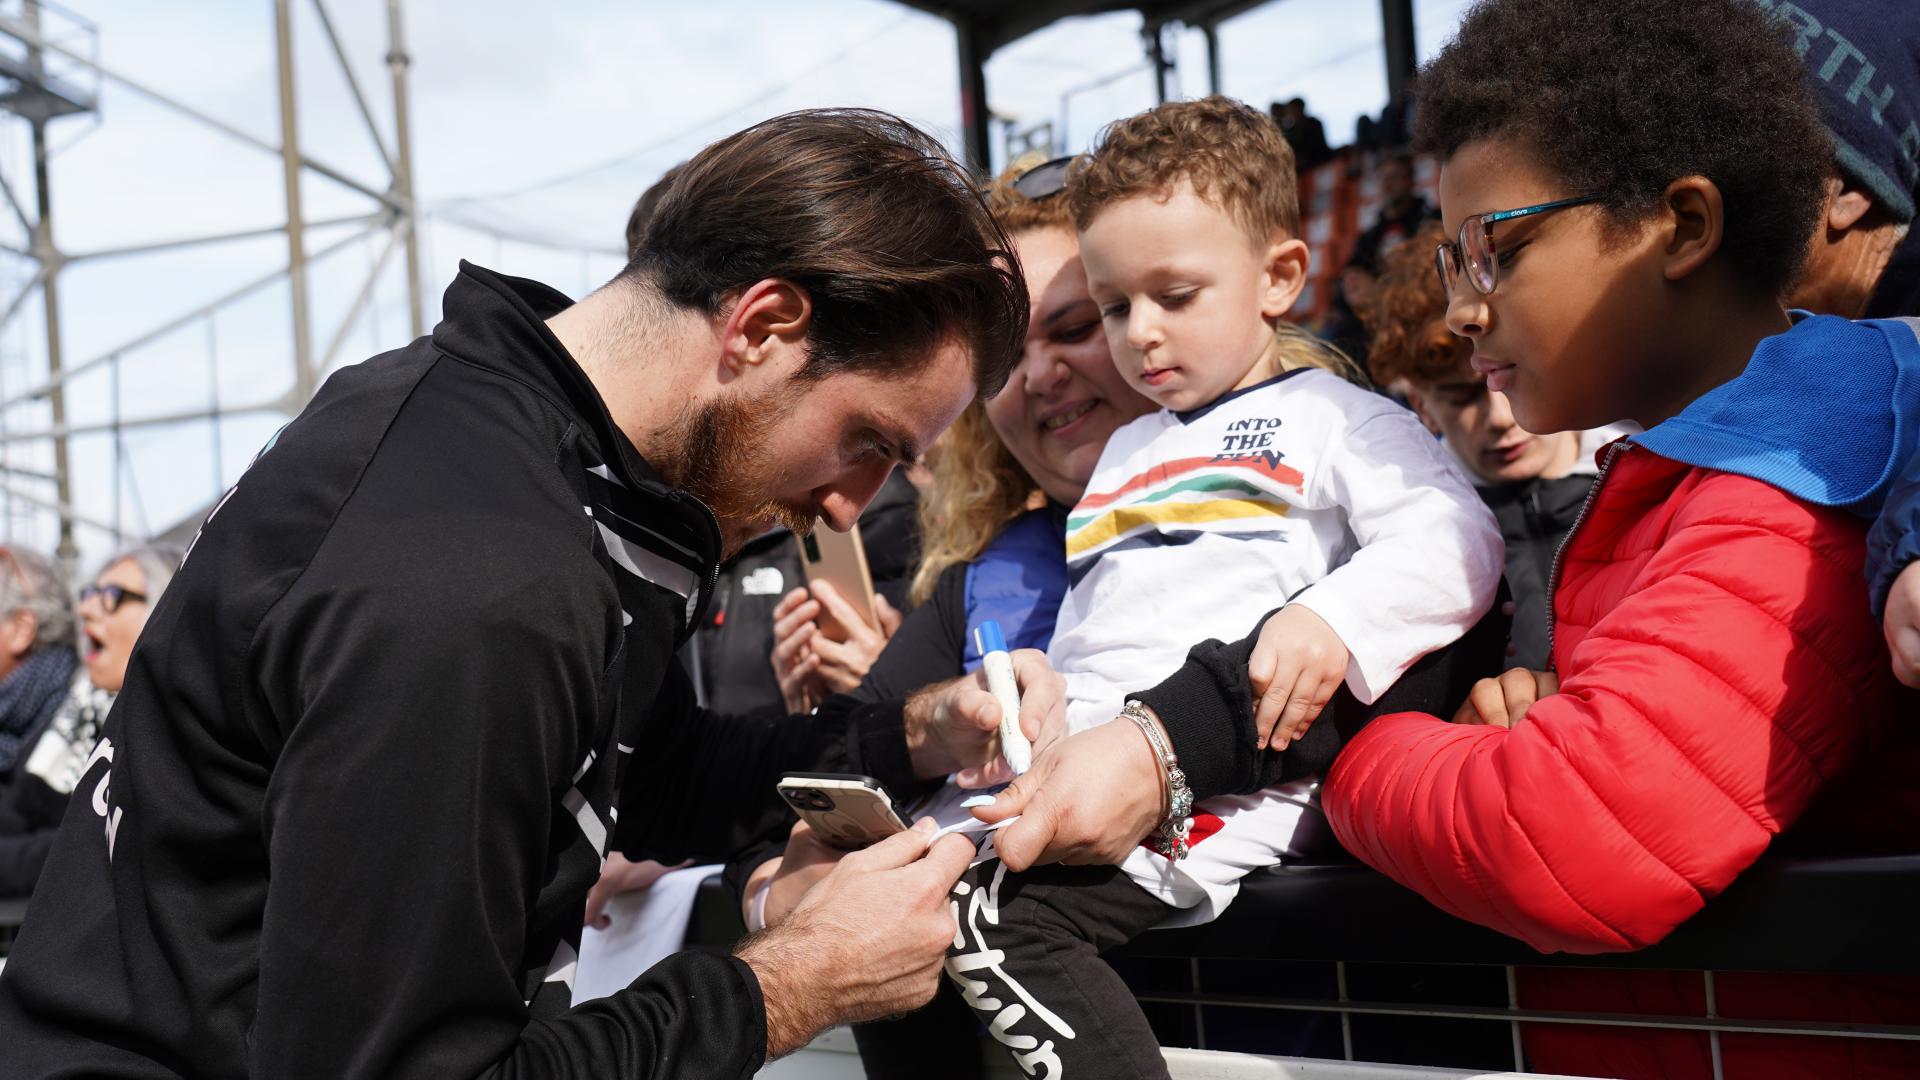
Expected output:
(1622, 97)
(1406, 317)
(1233, 155)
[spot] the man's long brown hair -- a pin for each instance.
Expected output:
(869, 215)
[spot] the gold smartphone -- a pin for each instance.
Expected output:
(839, 558)
(846, 811)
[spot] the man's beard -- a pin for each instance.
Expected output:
(717, 454)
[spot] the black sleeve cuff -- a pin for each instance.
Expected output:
(877, 743)
(1207, 709)
(756, 1033)
(878, 746)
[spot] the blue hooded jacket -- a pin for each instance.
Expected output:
(1828, 412)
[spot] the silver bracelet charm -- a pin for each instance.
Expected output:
(1170, 837)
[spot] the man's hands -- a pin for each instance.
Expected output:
(864, 943)
(1903, 625)
(1503, 700)
(622, 875)
(810, 665)
(954, 726)
(1296, 666)
(1090, 798)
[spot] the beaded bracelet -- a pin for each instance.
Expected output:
(1170, 837)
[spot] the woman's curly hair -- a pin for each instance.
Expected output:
(1622, 97)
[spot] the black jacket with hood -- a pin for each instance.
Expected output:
(415, 677)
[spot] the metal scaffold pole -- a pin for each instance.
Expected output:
(397, 61)
(303, 373)
(50, 262)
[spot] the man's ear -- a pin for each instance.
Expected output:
(768, 323)
(1287, 259)
(17, 631)
(1848, 206)
(1417, 401)
(1697, 218)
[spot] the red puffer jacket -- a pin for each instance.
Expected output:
(1719, 669)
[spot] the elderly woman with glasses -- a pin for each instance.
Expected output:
(113, 610)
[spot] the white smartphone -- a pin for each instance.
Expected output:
(845, 810)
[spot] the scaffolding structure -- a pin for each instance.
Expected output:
(50, 70)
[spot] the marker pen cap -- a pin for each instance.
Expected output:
(988, 639)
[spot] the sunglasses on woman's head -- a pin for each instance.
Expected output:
(1045, 180)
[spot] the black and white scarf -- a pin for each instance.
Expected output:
(29, 698)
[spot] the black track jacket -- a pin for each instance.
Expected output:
(414, 679)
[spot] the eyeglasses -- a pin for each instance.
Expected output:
(111, 596)
(1474, 252)
(1045, 180)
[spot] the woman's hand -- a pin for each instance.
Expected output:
(843, 664)
(1296, 665)
(1090, 798)
(794, 664)
(1502, 701)
(954, 726)
(808, 664)
(622, 875)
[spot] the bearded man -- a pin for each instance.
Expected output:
(416, 677)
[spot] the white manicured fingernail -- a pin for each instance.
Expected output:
(978, 800)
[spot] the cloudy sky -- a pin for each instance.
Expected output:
(534, 129)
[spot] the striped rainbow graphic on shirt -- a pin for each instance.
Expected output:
(1181, 496)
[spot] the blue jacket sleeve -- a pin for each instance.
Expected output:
(1895, 538)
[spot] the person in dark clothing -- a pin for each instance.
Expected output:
(1305, 134)
(1402, 214)
(417, 674)
(1862, 61)
(112, 612)
(36, 651)
(1897, 293)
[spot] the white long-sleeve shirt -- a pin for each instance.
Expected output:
(1196, 524)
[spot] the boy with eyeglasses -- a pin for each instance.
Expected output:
(1627, 189)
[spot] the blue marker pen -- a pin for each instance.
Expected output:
(998, 665)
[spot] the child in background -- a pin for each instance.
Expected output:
(1627, 189)
(1266, 479)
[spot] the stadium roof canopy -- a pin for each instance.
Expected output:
(983, 26)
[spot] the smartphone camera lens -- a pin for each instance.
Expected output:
(817, 799)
